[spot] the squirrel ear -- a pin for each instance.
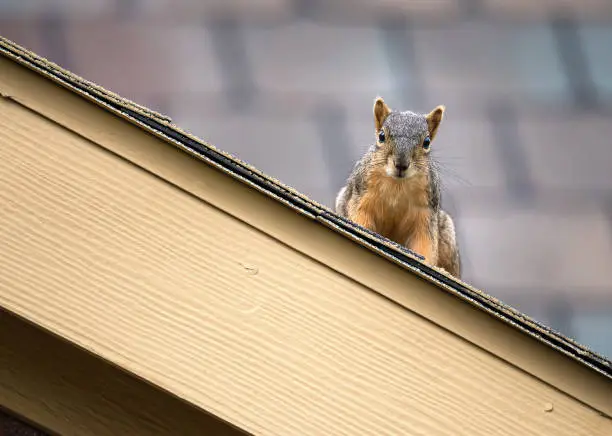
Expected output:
(381, 111)
(434, 118)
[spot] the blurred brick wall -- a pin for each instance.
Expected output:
(288, 86)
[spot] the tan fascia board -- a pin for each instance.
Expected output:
(160, 126)
(565, 364)
(83, 394)
(144, 273)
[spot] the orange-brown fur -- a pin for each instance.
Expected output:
(406, 223)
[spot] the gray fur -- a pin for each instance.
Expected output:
(407, 131)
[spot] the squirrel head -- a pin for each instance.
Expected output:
(403, 139)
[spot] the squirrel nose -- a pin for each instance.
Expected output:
(401, 167)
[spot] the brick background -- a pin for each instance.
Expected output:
(288, 85)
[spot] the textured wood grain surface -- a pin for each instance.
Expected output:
(73, 393)
(183, 294)
(144, 150)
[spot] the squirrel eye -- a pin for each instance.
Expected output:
(381, 136)
(426, 143)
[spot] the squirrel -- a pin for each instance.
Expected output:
(394, 189)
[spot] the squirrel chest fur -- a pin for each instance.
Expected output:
(394, 210)
(394, 188)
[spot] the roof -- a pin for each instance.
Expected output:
(163, 127)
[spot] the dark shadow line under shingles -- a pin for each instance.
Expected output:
(398, 43)
(229, 43)
(51, 25)
(574, 61)
(507, 142)
(332, 128)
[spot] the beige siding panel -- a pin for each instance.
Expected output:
(143, 150)
(181, 293)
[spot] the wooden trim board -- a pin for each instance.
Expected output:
(129, 142)
(159, 126)
(268, 328)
